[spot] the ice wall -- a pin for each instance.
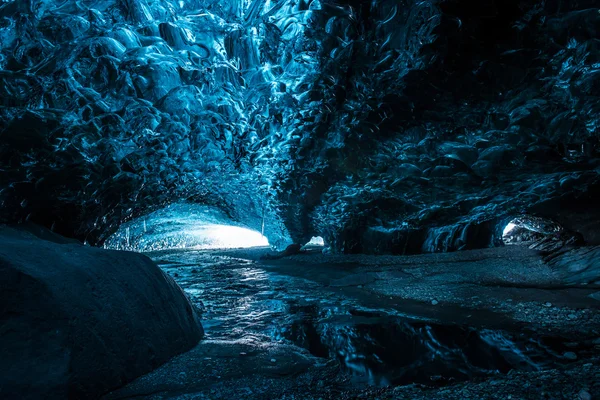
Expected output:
(382, 126)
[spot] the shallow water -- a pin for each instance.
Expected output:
(242, 301)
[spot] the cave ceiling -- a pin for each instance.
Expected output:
(382, 126)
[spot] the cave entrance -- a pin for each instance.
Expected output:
(527, 229)
(184, 226)
(316, 241)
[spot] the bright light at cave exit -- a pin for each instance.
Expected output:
(225, 236)
(508, 228)
(316, 241)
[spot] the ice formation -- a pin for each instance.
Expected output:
(382, 126)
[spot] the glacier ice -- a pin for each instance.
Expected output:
(382, 126)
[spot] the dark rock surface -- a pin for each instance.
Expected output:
(77, 321)
(383, 126)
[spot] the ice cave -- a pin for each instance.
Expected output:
(300, 199)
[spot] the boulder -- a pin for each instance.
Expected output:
(78, 321)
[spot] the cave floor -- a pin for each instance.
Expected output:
(492, 323)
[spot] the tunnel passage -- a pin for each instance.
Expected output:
(184, 226)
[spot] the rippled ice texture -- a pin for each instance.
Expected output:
(382, 126)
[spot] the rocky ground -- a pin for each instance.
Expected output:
(503, 323)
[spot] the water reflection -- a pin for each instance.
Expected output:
(241, 301)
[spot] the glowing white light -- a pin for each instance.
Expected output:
(224, 236)
(316, 241)
(183, 226)
(508, 228)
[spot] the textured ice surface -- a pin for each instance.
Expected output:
(382, 126)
